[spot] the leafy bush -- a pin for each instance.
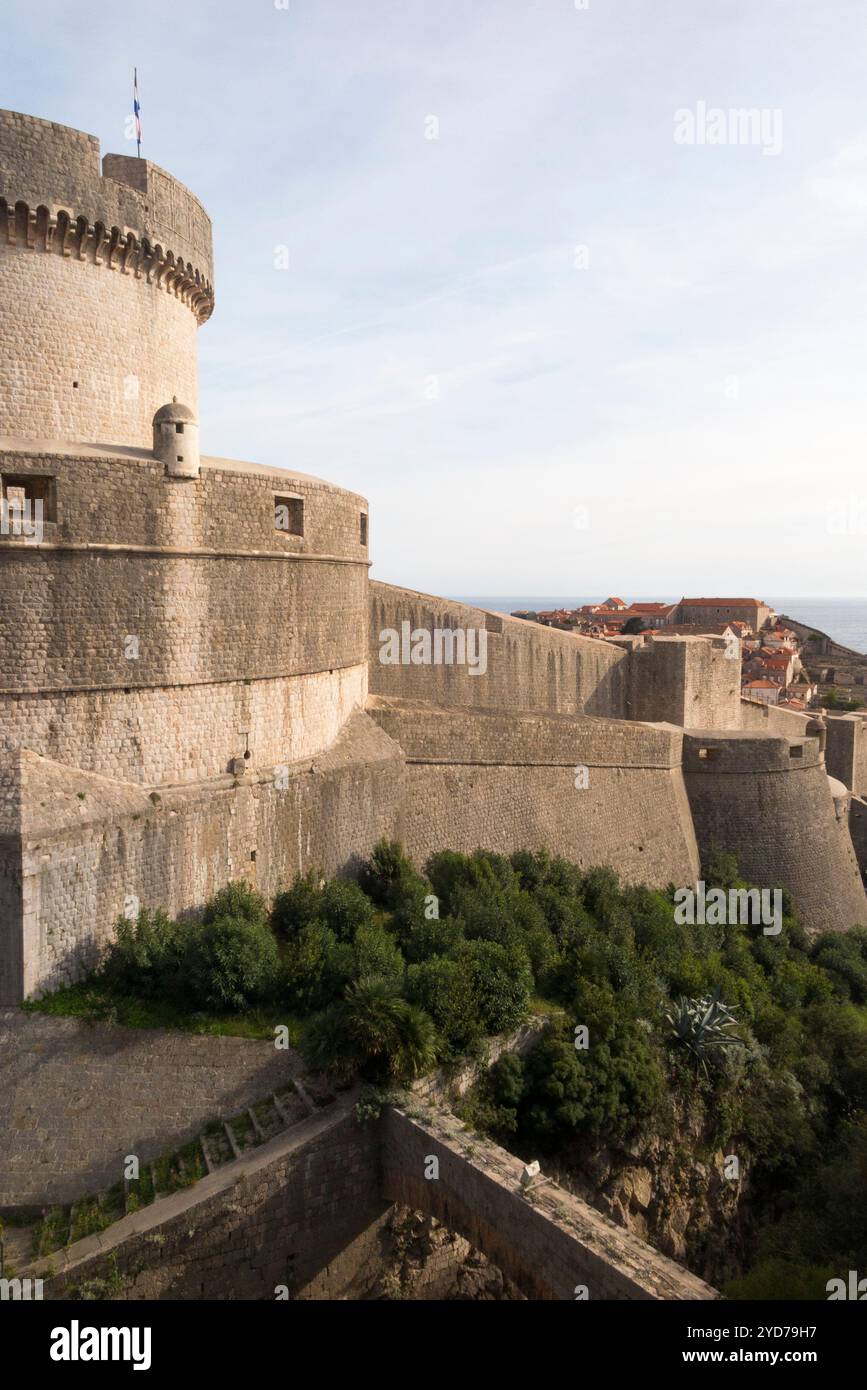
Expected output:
(317, 968)
(145, 955)
(345, 908)
(239, 900)
(229, 963)
(299, 906)
(444, 989)
(377, 953)
(501, 983)
(388, 875)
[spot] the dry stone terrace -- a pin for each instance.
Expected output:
(76, 1098)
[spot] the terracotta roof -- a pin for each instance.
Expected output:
(761, 684)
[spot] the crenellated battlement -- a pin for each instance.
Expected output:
(132, 215)
(63, 233)
(85, 357)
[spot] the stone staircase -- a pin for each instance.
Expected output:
(221, 1142)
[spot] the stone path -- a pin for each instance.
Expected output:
(76, 1098)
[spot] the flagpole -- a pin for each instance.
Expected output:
(136, 109)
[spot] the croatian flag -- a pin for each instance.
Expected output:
(137, 109)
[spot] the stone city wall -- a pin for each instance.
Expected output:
(768, 801)
(185, 733)
(687, 681)
(273, 1219)
(90, 845)
(846, 751)
(858, 831)
(528, 666)
(500, 782)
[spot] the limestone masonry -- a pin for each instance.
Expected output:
(195, 679)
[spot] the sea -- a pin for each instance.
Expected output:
(844, 619)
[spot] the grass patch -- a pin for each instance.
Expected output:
(92, 1001)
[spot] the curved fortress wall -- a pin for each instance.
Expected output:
(768, 801)
(163, 628)
(104, 278)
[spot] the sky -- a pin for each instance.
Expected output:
(510, 269)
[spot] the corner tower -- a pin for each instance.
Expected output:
(105, 276)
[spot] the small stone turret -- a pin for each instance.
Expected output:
(176, 439)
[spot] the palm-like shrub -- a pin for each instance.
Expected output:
(702, 1027)
(373, 1029)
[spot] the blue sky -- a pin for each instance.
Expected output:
(559, 351)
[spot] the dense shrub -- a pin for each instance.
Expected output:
(299, 906)
(388, 876)
(443, 987)
(144, 957)
(345, 908)
(402, 969)
(229, 963)
(501, 982)
(317, 968)
(372, 1030)
(238, 899)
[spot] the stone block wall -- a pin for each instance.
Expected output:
(98, 844)
(161, 627)
(480, 779)
(858, 831)
(548, 1242)
(292, 1215)
(275, 1218)
(846, 751)
(688, 681)
(768, 801)
(185, 733)
(771, 720)
(529, 667)
(86, 354)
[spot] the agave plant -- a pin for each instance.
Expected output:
(701, 1025)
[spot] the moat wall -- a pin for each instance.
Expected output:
(291, 1214)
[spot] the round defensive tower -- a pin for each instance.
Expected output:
(166, 618)
(105, 275)
(769, 801)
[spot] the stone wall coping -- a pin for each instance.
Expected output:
(658, 1276)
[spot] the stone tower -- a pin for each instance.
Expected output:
(105, 276)
(168, 621)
